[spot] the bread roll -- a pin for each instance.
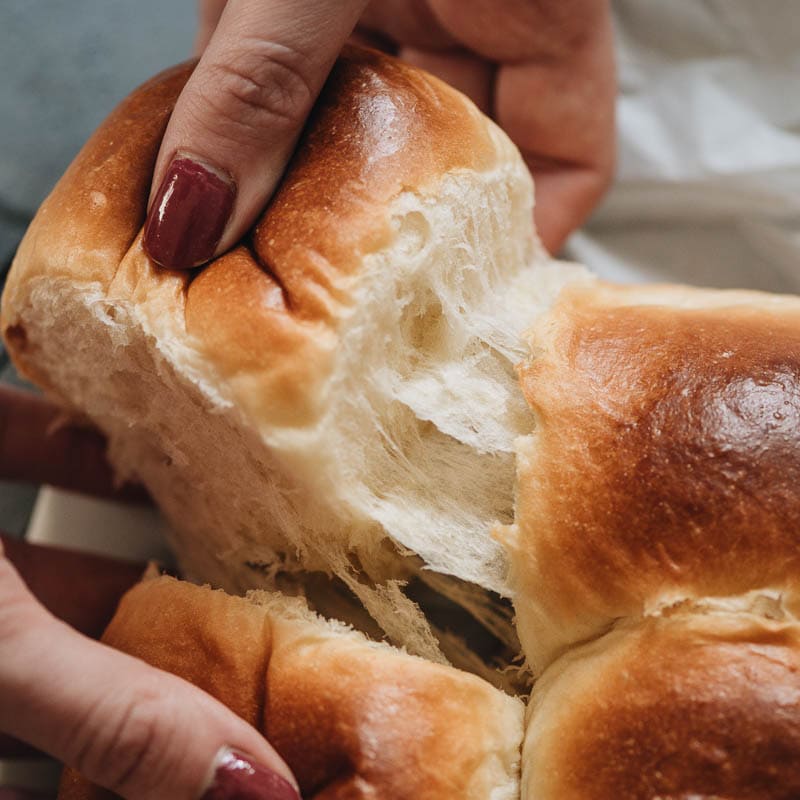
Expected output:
(337, 393)
(655, 555)
(351, 717)
(683, 706)
(665, 461)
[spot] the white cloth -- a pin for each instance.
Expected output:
(708, 182)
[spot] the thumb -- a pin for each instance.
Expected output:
(139, 732)
(237, 120)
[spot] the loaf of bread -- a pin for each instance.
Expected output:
(656, 549)
(665, 461)
(351, 717)
(388, 399)
(337, 394)
(670, 706)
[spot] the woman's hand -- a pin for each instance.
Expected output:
(135, 730)
(544, 70)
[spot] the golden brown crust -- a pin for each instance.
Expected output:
(86, 225)
(265, 316)
(378, 129)
(666, 456)
(275, 363)
(425, 721)
(705, 707)
(351, 719)
(219, 645)
(294, 279)
(88, 222)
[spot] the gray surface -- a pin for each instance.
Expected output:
(64, 66)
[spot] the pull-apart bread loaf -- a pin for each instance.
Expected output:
(351, 717)
(338, 392)
(664, 465)
(387, 383)
(656, 551)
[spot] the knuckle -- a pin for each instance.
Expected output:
(122, 747)
(260, 87)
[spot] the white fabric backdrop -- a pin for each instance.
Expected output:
(708, 185)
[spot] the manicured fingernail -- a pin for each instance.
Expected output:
(238, 777)
(189, 214)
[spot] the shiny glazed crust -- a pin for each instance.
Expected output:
(353, 719)
(655, 551)
(685, 706)
(664, 465)
(264, 316)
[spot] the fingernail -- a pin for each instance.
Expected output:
(238, 777)
(189, 214)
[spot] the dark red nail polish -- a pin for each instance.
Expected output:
(238, 777)
(188, 215)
